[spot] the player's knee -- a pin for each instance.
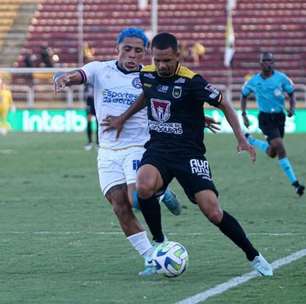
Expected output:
(215, 216)
(144, 190)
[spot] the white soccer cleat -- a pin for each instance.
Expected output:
(88, 147)
(262, 266)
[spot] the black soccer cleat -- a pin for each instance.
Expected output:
(300, 190)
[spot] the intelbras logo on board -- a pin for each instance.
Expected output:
(50, 121)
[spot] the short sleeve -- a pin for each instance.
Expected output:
(247, 87)
(90, 70)
(203, 91)
(288, 84)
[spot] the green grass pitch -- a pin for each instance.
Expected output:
(61, 244)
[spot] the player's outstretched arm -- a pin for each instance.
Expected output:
(231, 117)
(62, 80)
(117, 122)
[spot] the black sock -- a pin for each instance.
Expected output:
(295, 184)
(232, 229)
(89, 131)
(150, 209)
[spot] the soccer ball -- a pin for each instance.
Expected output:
(171, 259)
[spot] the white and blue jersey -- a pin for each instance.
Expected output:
(114, 91)
(269, 92)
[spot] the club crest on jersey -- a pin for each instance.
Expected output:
(136, 83)
(177, 92)
(160, 109)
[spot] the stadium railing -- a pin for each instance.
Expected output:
(33, 88)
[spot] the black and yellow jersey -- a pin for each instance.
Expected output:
(175, 108)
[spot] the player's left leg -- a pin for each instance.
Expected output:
(229, 226)
(285, 164)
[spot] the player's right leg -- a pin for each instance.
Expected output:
(131, 164)
(113, 186)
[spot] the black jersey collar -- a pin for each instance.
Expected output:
(124, 71)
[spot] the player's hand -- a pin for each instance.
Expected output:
(290, 112)
(246, 121)
(112, 123)
(243, 146)
(60, 79)
(212, 124)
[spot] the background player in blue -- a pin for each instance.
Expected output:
(269, 87)
(174, 96)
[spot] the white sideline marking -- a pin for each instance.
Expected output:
(221, 288)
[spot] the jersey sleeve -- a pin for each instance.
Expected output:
(89, 71)
(247, 87)
(288, 84)
(203, 91)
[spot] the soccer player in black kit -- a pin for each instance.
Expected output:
(174, 96)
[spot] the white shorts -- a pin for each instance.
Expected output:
(116, 167)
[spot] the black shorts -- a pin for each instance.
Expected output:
(90, 106)
(272, 125)
(192, 172)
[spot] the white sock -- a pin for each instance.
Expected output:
(141, 243)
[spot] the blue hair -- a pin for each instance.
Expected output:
(133, 32)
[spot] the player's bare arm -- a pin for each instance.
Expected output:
(62, 80)
(292, 102)
(117, 122)
(243, 104)
(231, 117)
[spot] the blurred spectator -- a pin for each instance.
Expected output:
(184, 51)
(88, 53)
(29, 59)
(198, 51)
(48, 56)
(6, 104)
(90, 113)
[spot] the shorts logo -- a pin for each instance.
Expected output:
(160, 109)
(136, 83)
(201, 168)
(136, 163)
(177, 92)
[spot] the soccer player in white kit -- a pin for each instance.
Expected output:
(116, 86)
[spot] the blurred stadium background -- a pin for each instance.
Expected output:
(27, 27)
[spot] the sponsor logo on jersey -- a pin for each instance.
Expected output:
(136, 83)
(180, 80)
(177, 92)
(214, 92)
(162, 88)
(148, 75)
(110, 96)
(200, 167)
(160, 109)
(164, 127)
